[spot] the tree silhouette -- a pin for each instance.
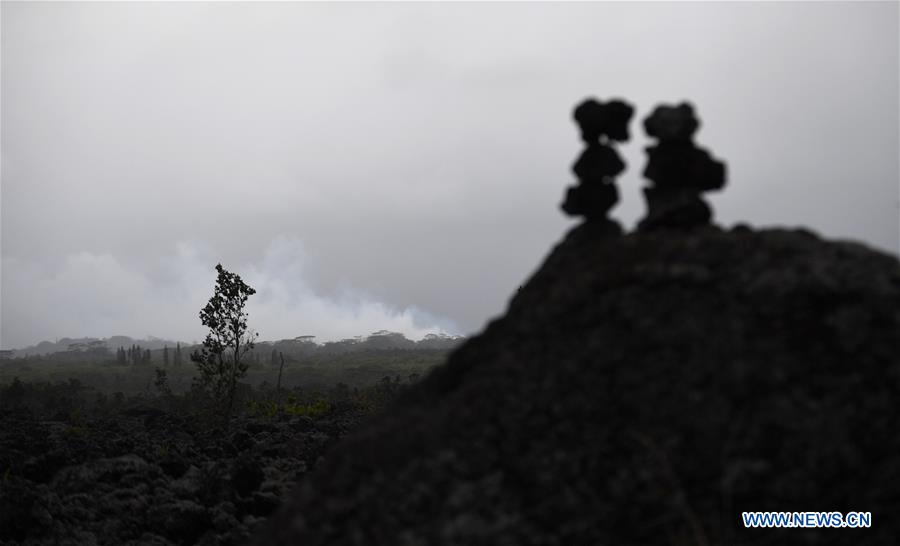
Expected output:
(220, 361)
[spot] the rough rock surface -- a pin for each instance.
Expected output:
(162, 481)
(679, 171)
(643, 389)
(601, 124)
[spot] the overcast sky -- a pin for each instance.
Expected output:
(397, 166)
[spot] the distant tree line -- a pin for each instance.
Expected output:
(264, 353)
(139, 356)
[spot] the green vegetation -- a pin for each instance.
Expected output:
(74, 403)
(317, 370)
(317, 383)
(234, 374)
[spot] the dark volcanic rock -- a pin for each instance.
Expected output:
(246, 475)
(643, 389)
(679, 171)
(181, 521)
(601, 125)
(70, 484)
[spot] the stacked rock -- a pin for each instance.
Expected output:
(601, 124)
(679, 170)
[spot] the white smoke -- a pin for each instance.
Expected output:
(95, 295)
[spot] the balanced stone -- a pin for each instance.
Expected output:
(679, 170)
(601, 124)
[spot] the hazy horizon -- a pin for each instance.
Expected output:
(157, 344)
(397, 166)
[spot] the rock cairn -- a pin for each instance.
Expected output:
(679, 170)
(601, 125)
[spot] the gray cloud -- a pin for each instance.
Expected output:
(96, 295)
(418, 151)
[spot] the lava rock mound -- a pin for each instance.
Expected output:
(641, 389)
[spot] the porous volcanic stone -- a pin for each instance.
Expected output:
(643, 389)
(601, 125)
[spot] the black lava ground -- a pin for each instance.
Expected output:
(641, 389)
(146, 476)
